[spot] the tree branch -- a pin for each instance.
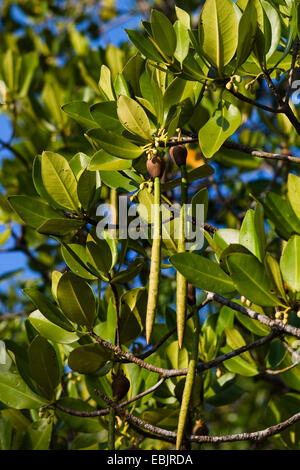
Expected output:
(274, 324)
(252, 436)
(105, 411)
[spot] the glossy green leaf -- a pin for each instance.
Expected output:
(60, 227)
(76, 299)
(103, 161)
(89, 358)
(43, 366)
(219, 127)
(15, 393)
(76, 258)
(235, 340)
(86, 189)
(238, 365)
(183, 17)
(282, 215)
(246, 34)
(115, 144)
(290, 263)
(218, 32)
(59, 180)
(116, 180)
(105, 114)
(130, 273)
(33, 210)
(163, 32)
(49, 330)
(202, 272)
(80, 111)
(293, 193)
(48, 309)
(105, 83)
(133, 117)
(251, 279)
(38, 435)
(182, 41)
(144, 45)
(99, 255)
(252, 234)
(132, 314)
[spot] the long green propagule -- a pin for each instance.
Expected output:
(179, 155)
(155, 167)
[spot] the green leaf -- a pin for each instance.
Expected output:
(252, 234)
(293, 193)
(247, 33)
(80, 112)
(130, 273)
(238, 365)
(32, 210)
(183, 17)
(235, 340)
(59, 180)
(105, 83)
(290, 263)
(60, 227)
(163, 32)
(281, 213)
(251, 279)
(202, 272)
(183, 41)
(49, 330)
(115, 144)
(88, 183)
(15, 393)
(133, 117)
(218, 32)
(144, 45)
(48, 309)
(116, 180)
(272, 28)
(89, 358)
(75, 257)
(219, 127)
(38, 435)
(103, 161)
(132, 314)
(273, 268)
(105, 114)
(76, 299)
(99, 255)
(43, 366)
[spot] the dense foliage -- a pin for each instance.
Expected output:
(114, 332)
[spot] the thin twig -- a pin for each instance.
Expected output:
(292, 70)
(252, 436)
(105, 411)
(274, 324)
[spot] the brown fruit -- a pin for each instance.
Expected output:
(179, 154)
(155, 167)
(200, 428)
(120, 386)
